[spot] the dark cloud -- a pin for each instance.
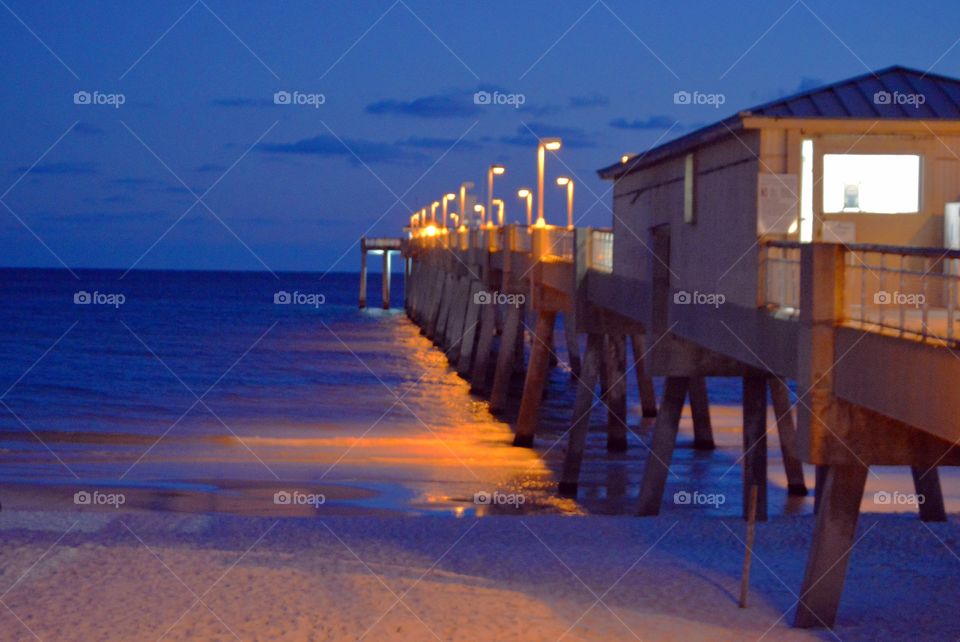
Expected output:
(457, 104)
(58, 169)
(585, 102)
(653, 122)
(329, 146)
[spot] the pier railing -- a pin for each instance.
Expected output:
(780, 277)
(519, 239)
(560, 244)
(601, 251)
(908, 292)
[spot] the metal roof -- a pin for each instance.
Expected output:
(896, 93)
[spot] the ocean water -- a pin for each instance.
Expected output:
(196, 391)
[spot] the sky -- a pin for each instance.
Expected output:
(177, 156)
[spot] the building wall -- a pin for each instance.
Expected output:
(718, 252)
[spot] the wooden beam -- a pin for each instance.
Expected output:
(660, 453)
(788, 437)
(580, 422)
(700, 409)
(615, 365)
(926, 482)
(648, 398)
(755, 443)
(536, 378)
(833, 538)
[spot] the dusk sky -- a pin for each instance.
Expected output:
(292, 187)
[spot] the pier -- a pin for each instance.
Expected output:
(726, 259)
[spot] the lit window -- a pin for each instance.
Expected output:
(872, 183)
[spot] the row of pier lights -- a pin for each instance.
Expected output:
(421, 223)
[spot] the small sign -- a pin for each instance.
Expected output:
(839, 232)
(778, 203)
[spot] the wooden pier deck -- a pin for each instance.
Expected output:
(871, 376)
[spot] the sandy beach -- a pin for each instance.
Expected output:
(135, 575)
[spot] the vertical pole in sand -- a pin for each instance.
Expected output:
(748, 554)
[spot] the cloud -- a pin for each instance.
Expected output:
(574, 137)
(653, 122)
(540, 110)
(439, 143)
(585, 102)
(238, 101)
(331, 147)
(58, 169)
(87, 128)
(456, 104)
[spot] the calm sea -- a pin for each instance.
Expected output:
(199, 391)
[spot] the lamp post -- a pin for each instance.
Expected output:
(433, 211)
(463, 199)
(561, 181)
(446, 199)
(494, 170)
(552, 144)
(482, 211)
(528, 195)
(498, 203)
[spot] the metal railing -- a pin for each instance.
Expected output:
(601, 251)
(908, 292)
(780, 277)
(560, 244)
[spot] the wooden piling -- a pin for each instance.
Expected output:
(573, 346)
(363, 275)
(512, 325)
(788, 437)
(472, 318)
(385, 282)
(755, 443)
(926, 483)
(615, 365)
(648, 398)
(580, 422)
(488, 328)
(700, 409)
(536, 378)
(833, 539)
(660, 453)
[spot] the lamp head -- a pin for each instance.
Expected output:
(497, 169)
(626, 157)
(449, 197)
(551, 144)
(523, 193)
(563, 180)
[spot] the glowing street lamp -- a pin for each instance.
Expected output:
(456, 219)
(463, 198)
(561, 181)
(446, 199)
(498, 203)
(552, 144)
(433, 211)
(527, 194)
(495, 170)
(482, 211)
